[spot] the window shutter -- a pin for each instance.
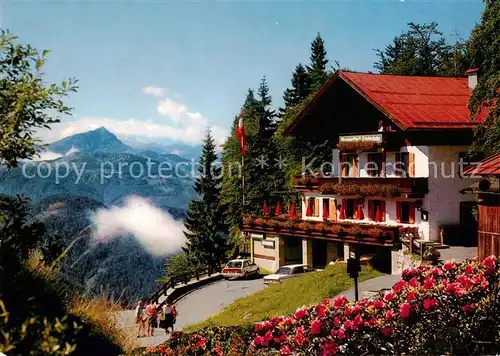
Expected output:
(412, 213)
(343, 165)
(371, 213)
(382, 210)
(333, 209)
(354, 165)
(398, 211)
(411, 164)
(397, 164)
(316, 207)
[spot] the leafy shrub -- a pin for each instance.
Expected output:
(432, 310)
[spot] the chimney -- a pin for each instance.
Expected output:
(472, 74)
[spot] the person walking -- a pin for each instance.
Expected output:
(168, 316)
(152, 316)
(140, 318)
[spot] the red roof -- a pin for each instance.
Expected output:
(416, 102)
(411, 102)
(487, 167)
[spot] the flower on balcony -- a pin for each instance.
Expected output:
(360, 145)
(370, 190)
(305, 180)
(273, 223)
(389, 190)
(374, 232)
(260, 221)
(304, 226)
(327, 188)
(320, 227)
(347, 189)
(248, 220)
(354, 231)
(289, 224)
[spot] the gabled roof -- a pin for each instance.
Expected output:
(411, 102)
(487, 167)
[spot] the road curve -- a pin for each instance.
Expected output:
(199, 305)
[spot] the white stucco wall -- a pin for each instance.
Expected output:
(443, 200)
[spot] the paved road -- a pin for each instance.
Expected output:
(200, 304)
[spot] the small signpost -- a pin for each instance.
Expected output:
(353, 269)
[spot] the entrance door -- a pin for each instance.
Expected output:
(468, 223)
(318, 253)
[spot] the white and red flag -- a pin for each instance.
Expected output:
(240, 134)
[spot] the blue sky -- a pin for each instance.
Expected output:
(205, 55)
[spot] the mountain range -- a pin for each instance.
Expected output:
(95, 170)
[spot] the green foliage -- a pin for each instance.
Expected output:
(484, 47)
(317, 71)
(180, 264)
(26, 103)
(205, 222)
(423, 51)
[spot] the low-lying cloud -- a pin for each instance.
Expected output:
(154, 228)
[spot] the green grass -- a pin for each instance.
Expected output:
(285, 298)
(264, 272)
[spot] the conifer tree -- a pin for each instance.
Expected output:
(299, 91)
(205, 222)
(317, 71)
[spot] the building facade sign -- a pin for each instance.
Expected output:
(375, 138)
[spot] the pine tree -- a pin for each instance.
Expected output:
(317, 71)
(205, 222)
(298, 92)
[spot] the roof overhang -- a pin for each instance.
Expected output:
(493, 189)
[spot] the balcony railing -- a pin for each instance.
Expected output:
(361, 233)
(363, 186)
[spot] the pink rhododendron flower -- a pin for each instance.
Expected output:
(316, 327)
(340, 334)
(340, 301)
(329, 349)
(489, 264)
(378, 304)
(469, 269)
(429, 303)
(437, 272)
(358, 320)
(268, 336)
(300, 339)
(349, 325)
(389, 297)
(299, 314)
(398, 287)
(413, 282)
(320, 310)
(218, 350)
(448, 266)
(405, 310)
(410, 296)
(390, 314)
(387, 331)
(429, 283)
(337, 322)
(464, 281)
(259, 340)
(347, 311)
(285, 350)
(468, 307)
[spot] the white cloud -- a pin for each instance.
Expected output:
(46, 156)
(178, 123)
(155, 91)
(154, 228)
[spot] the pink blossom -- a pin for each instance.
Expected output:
(437, 272)
(429, 303)
(410, 297)
(329, 349)
(405, 310)
(299, 314)
(337, 322)
(316, 327)
(320, 310)
(378, 304)
(268, 336)
(387, 331)
(448, 266)
(468, 307)
(469, 269)
(259, 340)
(489, 264)
(413, 282)
(389, 297)
(429, 283)
(300, 339)
(358, 320)
(340, 301)
(390, 314)
(465, 281)
(285, 350)
(398, 287)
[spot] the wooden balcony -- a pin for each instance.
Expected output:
(405, 187)
(389, 140)
(358, 233)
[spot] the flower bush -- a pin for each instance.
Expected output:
(433, 310)
(383, 190)
(360, 145)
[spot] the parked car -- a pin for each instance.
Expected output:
(240, 268)
(286, 272)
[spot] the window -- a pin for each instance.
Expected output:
(283, 270)
(402, 163)
(326, 206)
(350, 207)
(233, 264)
(312, 207)
(405, 212)
(376, 210)
(245, 264)
(298, 270)
(350, 165)
(374, 165)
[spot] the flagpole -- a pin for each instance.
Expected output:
(243, 200)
